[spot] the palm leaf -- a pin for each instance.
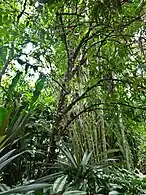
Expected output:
(25, 188)
(69, 156)
(5, 159)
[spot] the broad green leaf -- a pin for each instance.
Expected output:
(14, 82)
(59, 184)
(3, 117)
(5, 122)
(114, 193)
(39, 85)
(3, 114)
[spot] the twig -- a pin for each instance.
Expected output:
(128, 105)
(71, 14)
(60, 86)
(84, 39)
(22, 12)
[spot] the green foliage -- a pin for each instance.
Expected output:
(13, 84)
(39, 85)
(4, 161)
(72, 71)
(3, 114)
(3, 52)
(128, 182)
(25, 188)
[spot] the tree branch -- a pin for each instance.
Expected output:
(81, 43)
(87, 109)
(88, 89)
(64, 34)
(90, 109)
(71, 14)
(22, 12)
(4, 69)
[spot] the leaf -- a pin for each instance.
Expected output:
(14, 83)
(40, 82)
(3, 114)
(59, 184)
(1, 20)
(69, 156)
(25, 188)
(4, 163)
(2, 139)
(3, 55)
(6, 156)
(113, 193)
(86, 158)
(48, 177)
(39, 85)
(5, 122)
(75, 192)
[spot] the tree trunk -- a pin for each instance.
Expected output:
(103, 134)
(125, 144)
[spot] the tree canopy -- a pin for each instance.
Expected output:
(72, 94)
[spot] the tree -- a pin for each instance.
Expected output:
(87, 56)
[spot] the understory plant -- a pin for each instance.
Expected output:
(5, 190)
